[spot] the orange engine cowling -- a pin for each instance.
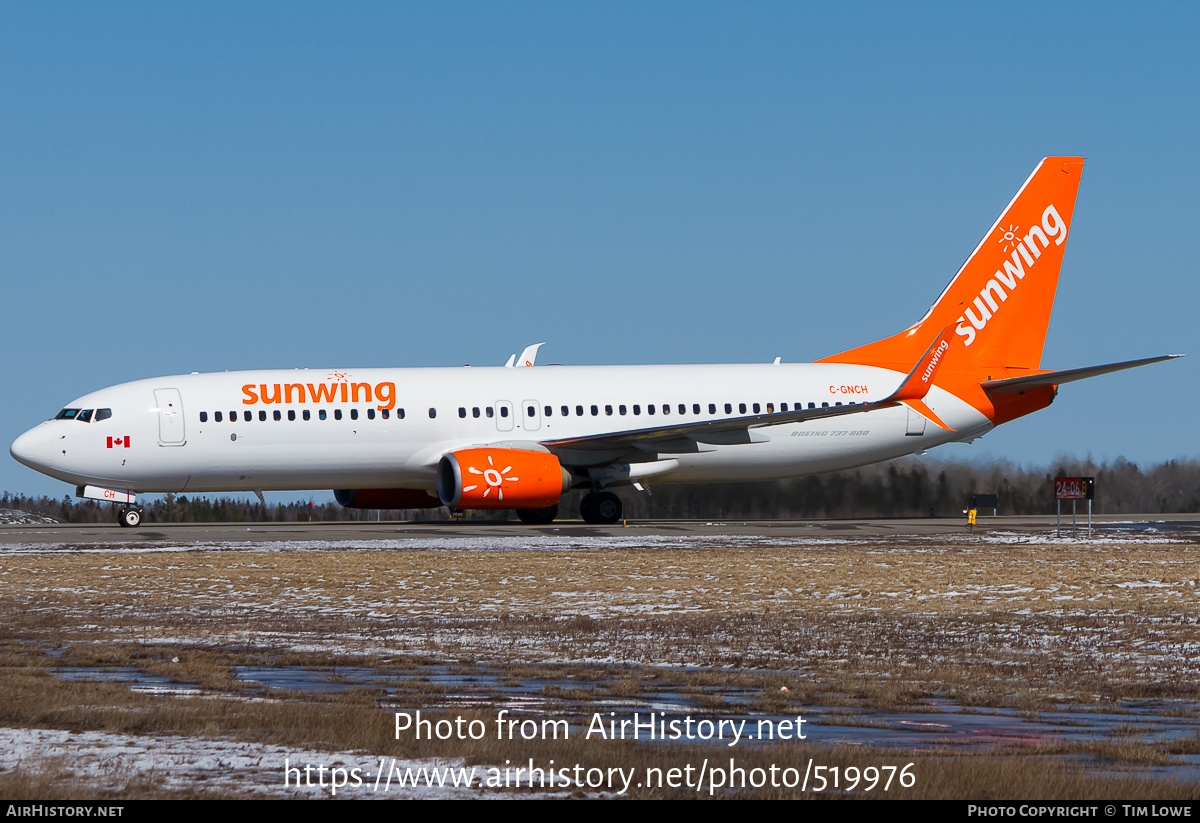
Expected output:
(500, 479)
(385, 499)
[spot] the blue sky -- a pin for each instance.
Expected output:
(209, 186)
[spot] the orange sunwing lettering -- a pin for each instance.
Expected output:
(385, 393)
(354, 391)
(323, 392)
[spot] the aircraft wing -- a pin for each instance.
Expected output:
(692, 437)
(1015, 385)
(684, 437)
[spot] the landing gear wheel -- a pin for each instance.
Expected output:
(601, 508)
(538, 517)
(130, 518)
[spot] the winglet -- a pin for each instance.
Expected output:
(920, 380)
(529, 356)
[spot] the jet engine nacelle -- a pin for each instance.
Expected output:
(500, 479)
(386, 498)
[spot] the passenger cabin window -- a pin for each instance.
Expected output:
(337, 414)
(203, 417)
(566, 411)
(490, 411)
(695, 408)
(595, 411)
(741, 408)
(291, 414)
(353, 414)
(621, 409)
(262, 415)
(531, 411)
(756, 408)
(386, 414)
(549, 410)
(307, 416)
(433, 413)
(247, 416)
(729, 408)
(637, 409)
(474, 411)
(712, 408)
(277, 415)
(649, 408)
(217, 416)
(321, 414)
(370, 414)
(462, 411)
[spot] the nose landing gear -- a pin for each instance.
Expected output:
(129, 518)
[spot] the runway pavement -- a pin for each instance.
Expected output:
(258, 532)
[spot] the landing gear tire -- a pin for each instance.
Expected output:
(538, 517)
(129, 518)
(601, 508)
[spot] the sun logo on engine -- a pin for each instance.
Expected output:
(493, 477)
(1010, 239)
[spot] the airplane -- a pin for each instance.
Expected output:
(522, 436)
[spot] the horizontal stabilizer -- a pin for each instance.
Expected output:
(1015, 385)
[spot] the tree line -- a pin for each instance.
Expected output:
(908, 487)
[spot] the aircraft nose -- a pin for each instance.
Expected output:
(34, 449)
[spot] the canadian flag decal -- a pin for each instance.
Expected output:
(118, 442)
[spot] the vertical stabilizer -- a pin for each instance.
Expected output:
(999, 303)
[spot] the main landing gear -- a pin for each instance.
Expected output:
(538, 517)
(601, 508)
(129, 518)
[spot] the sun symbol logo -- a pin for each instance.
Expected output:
(494, 479)
(1010, 238)
(340, 376)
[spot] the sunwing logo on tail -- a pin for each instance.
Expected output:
(1024, 256)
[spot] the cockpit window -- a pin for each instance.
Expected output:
(85, 415)
(103, 414)
(67, 414)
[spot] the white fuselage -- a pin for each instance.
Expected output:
(190, 433)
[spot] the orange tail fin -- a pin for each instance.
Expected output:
(999, 303)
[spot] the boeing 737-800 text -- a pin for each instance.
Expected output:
(520, 438)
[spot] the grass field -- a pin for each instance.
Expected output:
(991, 622)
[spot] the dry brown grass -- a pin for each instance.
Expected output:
(876, 625)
